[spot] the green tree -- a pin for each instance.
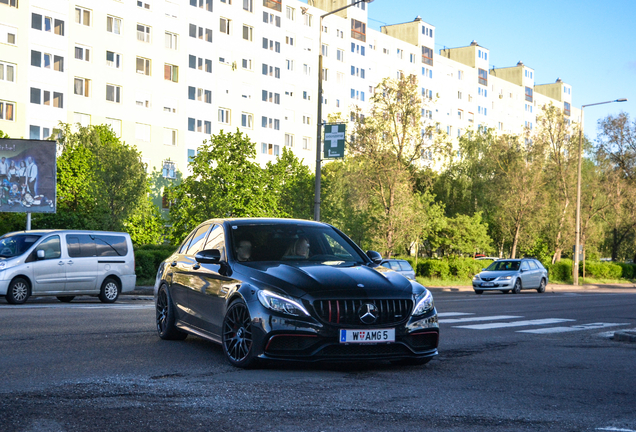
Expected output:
(225, 182)
(293, 184)
(3, 135)
(463, 234)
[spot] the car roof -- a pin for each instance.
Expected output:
(266, 221)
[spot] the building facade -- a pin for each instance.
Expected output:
(166, 74)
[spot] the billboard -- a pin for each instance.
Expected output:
(334, 140)
(28, 174)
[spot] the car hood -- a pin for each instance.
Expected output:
(319, 281)
(496, 274)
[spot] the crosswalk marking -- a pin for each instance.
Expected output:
(525, 323)
(591, 326)
(472, 319)
(450, 314)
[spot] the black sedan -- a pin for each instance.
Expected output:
(284, 289)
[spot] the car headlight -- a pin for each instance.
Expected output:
(282, 304)
(505, 278)
(6, 264)
(476, 277)
(424, 304)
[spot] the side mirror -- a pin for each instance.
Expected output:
(521, 270)
(40, 254)
(374, 256)
(208, 256)
(483, 269)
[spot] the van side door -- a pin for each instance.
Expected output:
(81, 270)
(49, 272)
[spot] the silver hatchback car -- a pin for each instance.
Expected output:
(512, 275)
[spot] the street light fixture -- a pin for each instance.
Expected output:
(577, 241)
(319, 123)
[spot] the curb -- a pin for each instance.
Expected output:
(625, 336)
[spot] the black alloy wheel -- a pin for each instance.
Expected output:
(165, 317)
(110, 291)
(479, 291)
(18, 291)
(237, 335)
(517, 288)
(65, 299)
(541, 288)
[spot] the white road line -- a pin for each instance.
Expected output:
(591, 326)
(472, 319)
(515, 324)
(450, 314)
(78, 306)
(615, 429)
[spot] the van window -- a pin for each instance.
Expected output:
(15, 245)
(51, 247)
(111, 245)
(80, 246)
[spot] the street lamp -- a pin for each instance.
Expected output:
(577, 241)
(319, 119)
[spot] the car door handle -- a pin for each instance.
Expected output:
(60, 263)
(197, 266)
(70, 263)
(173, 263)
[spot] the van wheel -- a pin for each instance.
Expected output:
(19, 291)
(110, 291)
(65, 299)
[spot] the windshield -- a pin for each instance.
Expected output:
(504, 266)
(287, 243)
(17, 244)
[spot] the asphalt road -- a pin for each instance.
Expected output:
(525, 362)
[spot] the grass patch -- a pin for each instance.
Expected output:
(437, 282)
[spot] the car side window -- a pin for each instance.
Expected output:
(198, 240)
(216, 240)
(51, 247)
(524, 265)
(405, 265)
(186, 242)
(532, 265)
(539, 265)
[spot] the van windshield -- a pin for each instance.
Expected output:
(17, 244)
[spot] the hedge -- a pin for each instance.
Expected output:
(462, 268)
(148, 258)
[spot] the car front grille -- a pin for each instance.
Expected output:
(348, 312)
(488, 279)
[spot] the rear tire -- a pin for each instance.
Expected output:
(110, 291)
(19, 291)
(479, 291)
(166, 316)
(541, 288)
(65, 299)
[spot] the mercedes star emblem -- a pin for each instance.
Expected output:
(368, 313)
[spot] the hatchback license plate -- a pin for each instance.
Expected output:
(367, 336)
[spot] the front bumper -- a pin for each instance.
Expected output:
(286, 338)
(496, 285)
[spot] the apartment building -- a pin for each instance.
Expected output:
(166, 74)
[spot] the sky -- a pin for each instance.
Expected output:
(590, 45)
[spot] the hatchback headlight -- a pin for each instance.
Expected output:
(424, 304)
(282, 304)
(505, 278)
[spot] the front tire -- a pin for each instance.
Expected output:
(65, 299)
(479, 291)
(517, 288)
(541, 288)
(110, 291)
(237, 334)
(166, 317)
(18, 291)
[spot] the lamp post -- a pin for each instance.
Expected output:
(577, 241)
(319, 119)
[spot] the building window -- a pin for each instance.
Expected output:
(224, 26)
(247, 64)
(113, 93)
(325, 50)
(307, 19)
(203, 4)
(169, 171)
(10, 3)
(171, 41)
(427, 56)
(273, 4)
(224, 115)
(143, 4)
(82, 87)
(358, 30)
(306, 143)
(113, 24)
(58, 63)
(271, 45)
(143, 66)
(340, 55)
(143, 99)
(247, 120)
(460, 114)
(247, 5)
(170, 136)
(460, 75)
(290, 13)
(289, 140)
(143, 33)
(82, 53)
(36, 96)
(483, 77)
(7, 72)
(113, 59)
(171, 72)
(529, 94)
(83, 16)
(247, 32)
(566, 108)
(142, 132)
(7, 110)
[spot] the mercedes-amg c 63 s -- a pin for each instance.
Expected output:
(284, 289)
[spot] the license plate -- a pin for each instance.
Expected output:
(488, 284)
(367, 336)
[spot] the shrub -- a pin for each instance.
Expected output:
(148, 258)
(629, 270)
(603, 270)
(560, 271)
(433, 268)
(464, 268)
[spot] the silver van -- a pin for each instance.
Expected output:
(65, 264)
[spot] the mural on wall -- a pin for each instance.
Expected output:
(28, 176)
